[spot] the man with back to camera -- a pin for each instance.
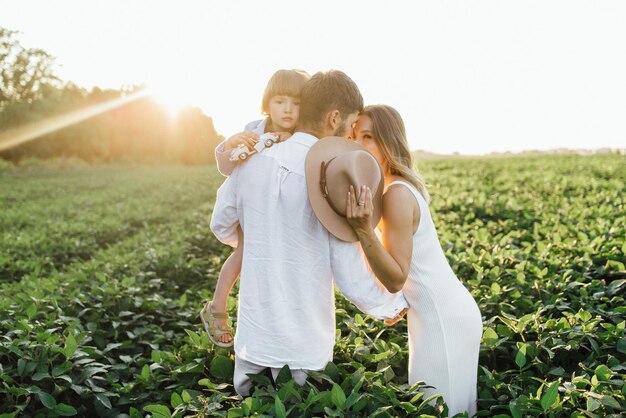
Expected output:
(286, 309)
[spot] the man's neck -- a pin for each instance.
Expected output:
(310, 131)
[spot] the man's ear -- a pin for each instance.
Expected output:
(333, 119)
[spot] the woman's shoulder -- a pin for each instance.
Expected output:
(400, 189)
(409, 188)
(401, 207)
(398, 199)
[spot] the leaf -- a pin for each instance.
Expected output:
(186, 396)
(175, 400)
(408, 407)
(260, 379)
(65, 410)
(523, 321)
(222, 367)
(337, 396)
(21, 367)
(520, 357)
(126, 359)
(603, 372)
(34, 389)
(104, 400)
(46, 399)
(332, 371)
(61, 369)
(615, 287)
(78, 389)
(65, 378)
(284, 375)
(279, 408)
(490, 337)
(592, 404)
(159, 411)
(40, 376)
(92, 371)
(206, 382)
(70, 346)
(332, 413)
(355, 397)
(583, 315)
(515, 411)
(621, 345)
(549, 397)
(611, 402)
(145, 372)
(417, 397)
(495, 288)
(31, 310)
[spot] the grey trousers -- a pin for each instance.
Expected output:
(242, 382)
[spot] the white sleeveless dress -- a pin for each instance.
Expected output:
(444, 322)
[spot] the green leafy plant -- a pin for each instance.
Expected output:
(103, 272)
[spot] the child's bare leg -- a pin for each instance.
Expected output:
(225, 282)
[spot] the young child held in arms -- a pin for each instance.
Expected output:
(281, 105)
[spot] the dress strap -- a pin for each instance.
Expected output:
(401, 182)
(406, 183)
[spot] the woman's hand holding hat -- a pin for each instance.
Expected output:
(333, 165)
(359, 213)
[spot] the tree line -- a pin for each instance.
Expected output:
(140, 131)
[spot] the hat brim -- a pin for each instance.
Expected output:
(323, 150)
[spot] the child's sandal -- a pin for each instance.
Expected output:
(214, 332)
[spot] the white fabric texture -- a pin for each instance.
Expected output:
(242, 382)
(444, 322)
(286, 297)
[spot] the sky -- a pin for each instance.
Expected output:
(467, 76)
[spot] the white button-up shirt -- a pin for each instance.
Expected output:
(286, 297)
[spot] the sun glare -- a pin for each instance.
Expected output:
(24, 133)
(171, 98)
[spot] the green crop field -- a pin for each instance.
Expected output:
(103, 272)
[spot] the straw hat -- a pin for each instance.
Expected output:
(331, 166)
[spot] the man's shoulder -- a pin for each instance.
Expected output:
(299, 144)
(303, 138)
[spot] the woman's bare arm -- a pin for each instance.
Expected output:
(391, 259)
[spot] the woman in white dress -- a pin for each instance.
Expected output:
(444, 321)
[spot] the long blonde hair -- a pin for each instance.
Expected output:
(390, 135)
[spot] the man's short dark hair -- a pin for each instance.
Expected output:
(326, 91)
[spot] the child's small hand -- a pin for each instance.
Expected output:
(282, 136)
(247, 138)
